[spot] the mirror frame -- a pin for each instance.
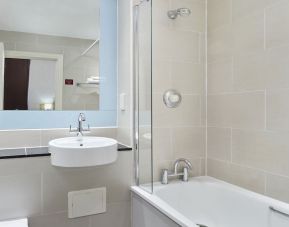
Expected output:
(107, 115)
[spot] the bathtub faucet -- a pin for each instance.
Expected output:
(184, 174)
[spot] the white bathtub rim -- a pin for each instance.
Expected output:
(180, 219)
(272, 202)
(163, 207)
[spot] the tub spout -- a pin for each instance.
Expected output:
(180, 160)
(184, 174)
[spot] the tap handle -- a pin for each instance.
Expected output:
(186, 174)
(165, 176)
(189, 164)
(71, 130)
(87, 129)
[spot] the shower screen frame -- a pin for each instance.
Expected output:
(138, 113)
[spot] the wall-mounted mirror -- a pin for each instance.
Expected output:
(32, 31)
(58, 55)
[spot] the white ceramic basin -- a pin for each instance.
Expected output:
(82, 151)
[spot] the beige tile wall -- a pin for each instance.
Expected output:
(248, 114)
(248, 93)
(76, 67)
(179, 63)
(32, 187)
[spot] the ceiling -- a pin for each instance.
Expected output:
(68, 18)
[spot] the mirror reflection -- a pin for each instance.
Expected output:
(51, 54)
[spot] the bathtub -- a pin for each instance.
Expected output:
(206, 201)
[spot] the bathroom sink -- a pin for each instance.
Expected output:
(82, 151)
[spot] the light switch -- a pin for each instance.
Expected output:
(122, 99)
(86, 202)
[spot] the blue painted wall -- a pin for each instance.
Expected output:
(108, 88)
(108, 55)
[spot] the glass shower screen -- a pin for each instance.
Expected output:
(143, 93)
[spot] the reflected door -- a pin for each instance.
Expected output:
(2, 61)
(16, 80)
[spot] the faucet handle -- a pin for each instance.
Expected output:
(86, 130)
(186, 174)
(189, 164)
(165, 175)
(72, 130)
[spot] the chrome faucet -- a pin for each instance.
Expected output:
(80, 130)
(185, 174)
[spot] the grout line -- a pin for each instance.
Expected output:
(265, 182)
(278, 3)
(206, 89)
(171, 76)
(251, 129)
(180, 126)
(231, 145)
(90, 221)
(201, 105)
(183, 94)
(224, 162)
(41, 139)
(52, 129)
(233, 72)
(41, 193)
(200, 167)
(184, 30)
(172, 142)
(235, 92)
(258, 169)
(265, 31)
(231, 12)
(265, 109)
(200, 48)
(220, 160)
(55, 213)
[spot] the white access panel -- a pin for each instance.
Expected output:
(14, 223)
(86, 202)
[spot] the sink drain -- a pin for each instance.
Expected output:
(202, 225)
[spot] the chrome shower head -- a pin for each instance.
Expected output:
(183, 12)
